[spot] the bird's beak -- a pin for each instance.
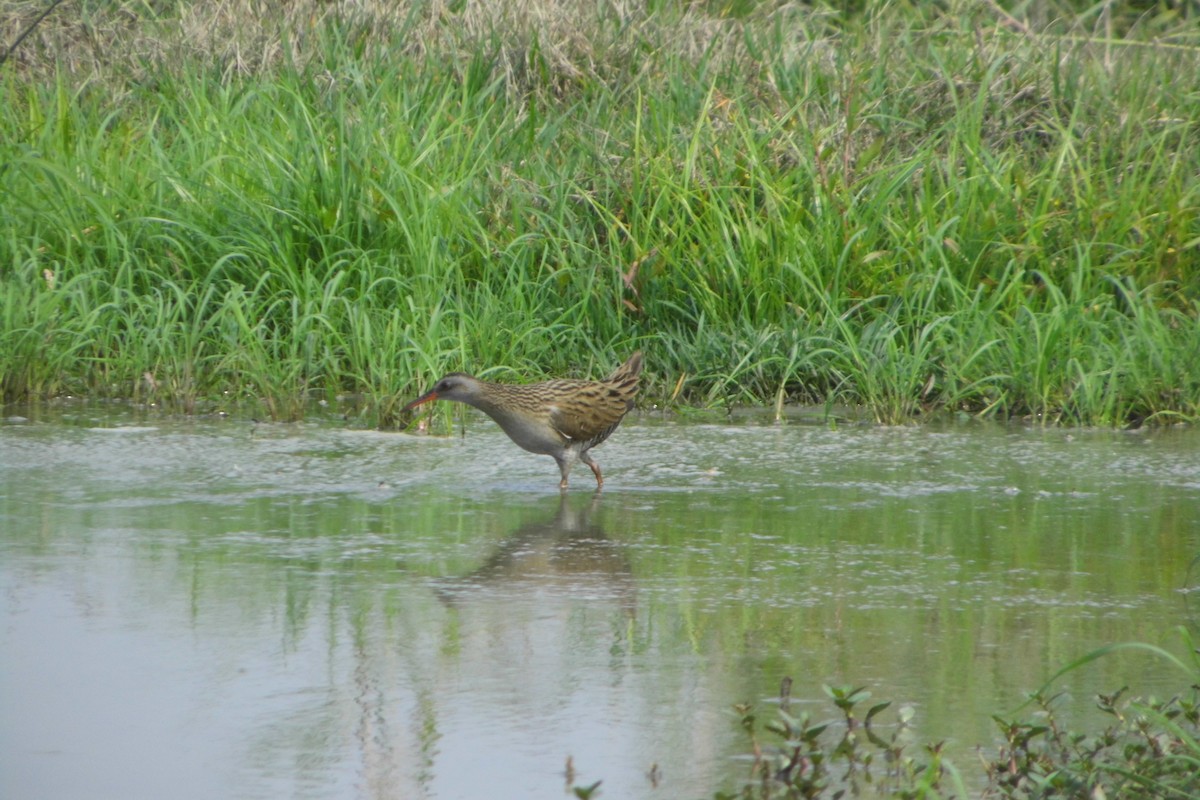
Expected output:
(428, 397)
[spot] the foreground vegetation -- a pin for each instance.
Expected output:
(893, 205)
(1150, 748)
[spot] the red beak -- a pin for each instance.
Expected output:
(428, 397)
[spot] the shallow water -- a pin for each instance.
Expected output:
(213, 608)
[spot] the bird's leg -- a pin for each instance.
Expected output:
(564, 466)
(587, 459)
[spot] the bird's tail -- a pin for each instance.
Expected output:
(626, 375)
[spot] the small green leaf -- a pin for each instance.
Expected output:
(585, 792)
(875, 709)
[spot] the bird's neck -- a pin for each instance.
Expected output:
(497, 400)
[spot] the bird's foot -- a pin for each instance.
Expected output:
(599, 478)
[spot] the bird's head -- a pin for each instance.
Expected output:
(457, 386)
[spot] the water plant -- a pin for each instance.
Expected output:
(1149, 748)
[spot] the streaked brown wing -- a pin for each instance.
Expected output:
(591, 413)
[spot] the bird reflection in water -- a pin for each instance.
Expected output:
(568, 554)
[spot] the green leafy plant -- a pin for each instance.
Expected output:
(1150, 748)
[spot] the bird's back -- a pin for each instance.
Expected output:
(598, 407)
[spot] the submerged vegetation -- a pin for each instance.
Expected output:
(910, 207)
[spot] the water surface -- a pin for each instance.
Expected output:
(215, 608)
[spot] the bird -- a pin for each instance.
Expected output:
(562, 418)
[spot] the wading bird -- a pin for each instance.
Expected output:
(563, 419)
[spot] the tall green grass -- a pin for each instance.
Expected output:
(901, 208)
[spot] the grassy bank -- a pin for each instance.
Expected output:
(899, 207)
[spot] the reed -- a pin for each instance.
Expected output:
(909, 209)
